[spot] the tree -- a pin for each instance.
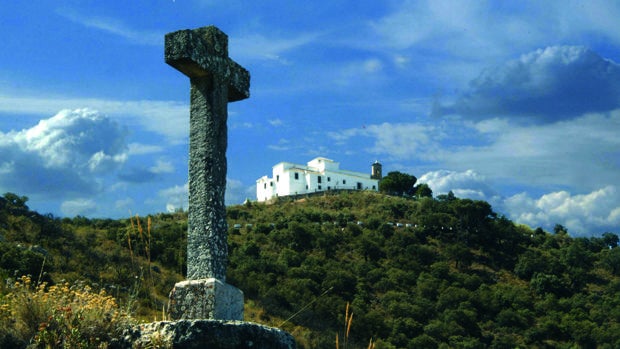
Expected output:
(422, 190)
(610, 239)
(611, 260)
(559, 229)
(398, 183)
(16, 203)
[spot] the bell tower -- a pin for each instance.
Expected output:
(375, 172)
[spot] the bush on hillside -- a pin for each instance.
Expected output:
(59, 316)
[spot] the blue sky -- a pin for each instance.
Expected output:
(513, 102)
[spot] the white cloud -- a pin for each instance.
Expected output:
(102, 162)
(62, 154)
(583, 214)
(74, 136)
(167, 118)
(80, 206)
(453, 40)
(468, 184)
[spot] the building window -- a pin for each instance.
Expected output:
(320, 187)
(344, 181)
(374, 188)
(329, 179)
(359, 185)
(319, 179)
(277, 178)
(296, 175)
(271, 184)
(265, 185)
(306, 187)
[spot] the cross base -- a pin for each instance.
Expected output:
(205, 299)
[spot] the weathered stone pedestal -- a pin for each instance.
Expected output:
(205, 299)
(206, 334)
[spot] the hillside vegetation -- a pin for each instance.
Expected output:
(417, 272)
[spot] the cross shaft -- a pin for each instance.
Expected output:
(202, 55)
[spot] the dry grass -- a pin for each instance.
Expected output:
(59, 316)
(348, 320)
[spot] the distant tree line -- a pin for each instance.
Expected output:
(417, 271)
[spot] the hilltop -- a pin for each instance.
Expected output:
(417, 272)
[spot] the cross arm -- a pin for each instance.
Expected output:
(203, 52)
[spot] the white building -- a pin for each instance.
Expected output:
(320, 174)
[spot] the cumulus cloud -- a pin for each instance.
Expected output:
(459, 37)
(546, 85)
(468, 184)
(167, 118)
(63, 153)
(583, 214)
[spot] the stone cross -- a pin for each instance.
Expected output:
(215, 79)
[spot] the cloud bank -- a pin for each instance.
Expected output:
(583, 214)
(592, 213)
(547, 85)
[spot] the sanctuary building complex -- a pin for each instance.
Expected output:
(319, 174)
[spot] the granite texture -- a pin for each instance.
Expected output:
(205, 334)
(204, 51)
(202, 55)
(205, 299)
